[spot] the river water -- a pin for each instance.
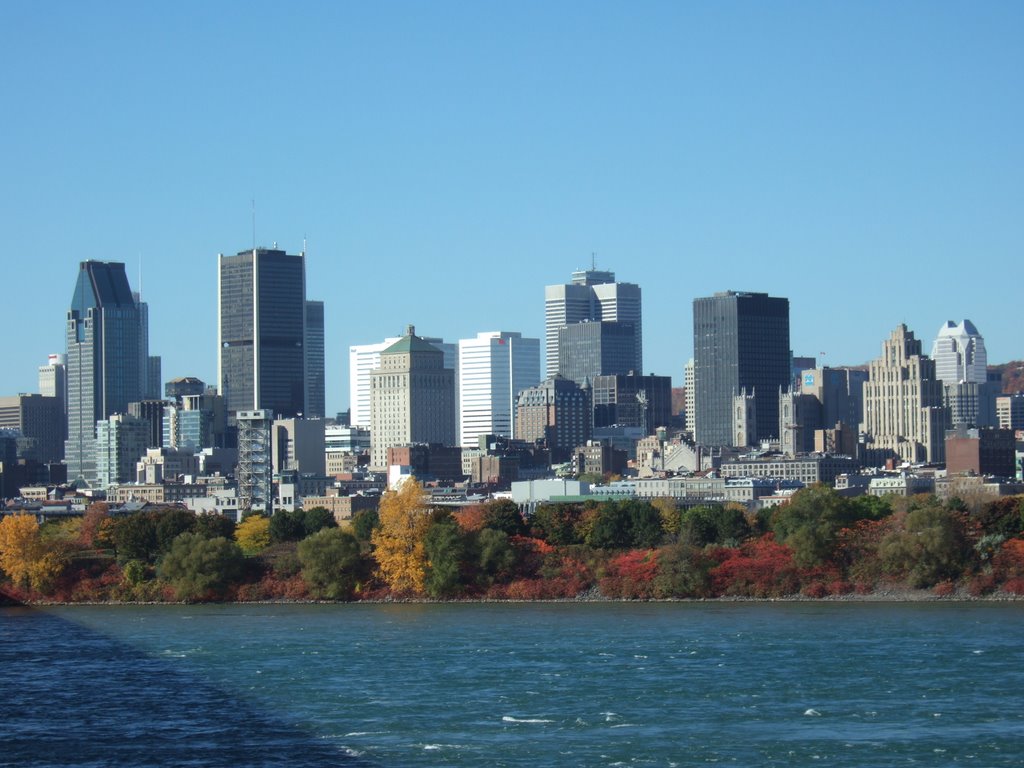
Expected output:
(573, 684)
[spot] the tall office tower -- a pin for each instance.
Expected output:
(412, 398)
(691, 398)
(40, 421)
(149, 365)
(631, 400)
(315, 390)
(255, 473)
(740, 341)
(262, 331)
(592, 295)
(121, 440)
(903, 412)
(590, 349)
(151, 412)
(962, 364)
(364, 358)
(959, 354)
(840, 393)
(493, 369)
(557, 411)
(53, 382)
(195, 422)
(103, 359)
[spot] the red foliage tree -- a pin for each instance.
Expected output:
(631, 575)
(760, 568)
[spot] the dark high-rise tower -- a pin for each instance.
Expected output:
(261, 332)
(104, 358)
(740, 341)
(315, 391)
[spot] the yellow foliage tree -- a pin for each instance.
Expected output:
(398, 540)
(24, 556)
(669, 511)
(253, 534)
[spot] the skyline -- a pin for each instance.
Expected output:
(443, 164)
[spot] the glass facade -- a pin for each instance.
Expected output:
(262, 331)
(740, 340)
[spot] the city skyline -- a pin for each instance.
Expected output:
(441, 165)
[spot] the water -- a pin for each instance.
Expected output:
(514, 685)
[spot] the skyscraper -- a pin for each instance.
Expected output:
(365, 358)
(315, 390)
(262, 331)
(904, 415)
(493, 369)
(959, 354)
(590, 349)
(740, 341)
(412, 398)
(961, 363)
(104, 366)
(592, 295)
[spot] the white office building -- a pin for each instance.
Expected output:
(959, 354)
(493, 368)
(363, 358)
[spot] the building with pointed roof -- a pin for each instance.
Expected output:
(412, 398)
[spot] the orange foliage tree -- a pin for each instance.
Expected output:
(24, 556)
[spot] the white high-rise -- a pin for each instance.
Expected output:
(593, 295)
(959, 354)
(363, 358)
(493, 369)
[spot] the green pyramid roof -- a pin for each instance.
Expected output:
(410, 343)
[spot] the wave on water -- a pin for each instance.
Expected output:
(510, 719)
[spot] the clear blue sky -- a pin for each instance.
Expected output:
(445, 161)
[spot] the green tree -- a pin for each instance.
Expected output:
(170, 523)
(201, 568)
(134, 537)
(316, 519)
(287, 526)
(683, 571)
(557, 524)
(214, 525)
(718, 524)
(504, 515)
(931, 546)
(332, 563)
(495, 555)
(363, 524)
(668, 508)
(445, 548)
(810, 523)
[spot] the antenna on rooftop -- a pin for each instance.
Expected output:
(140, 275)
(254, 223)
(593, 260)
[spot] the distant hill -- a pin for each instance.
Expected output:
(1012, 375)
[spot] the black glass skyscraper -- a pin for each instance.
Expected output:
(740, 341)
(104, 366)
(262, 361)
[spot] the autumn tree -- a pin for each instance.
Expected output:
(398, 539)
(24, 556)
(930, 547)
(332, 563)
(668, 509)
(253, 534)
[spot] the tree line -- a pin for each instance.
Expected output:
(820, 544)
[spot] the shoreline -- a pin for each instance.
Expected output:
(881, 596)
